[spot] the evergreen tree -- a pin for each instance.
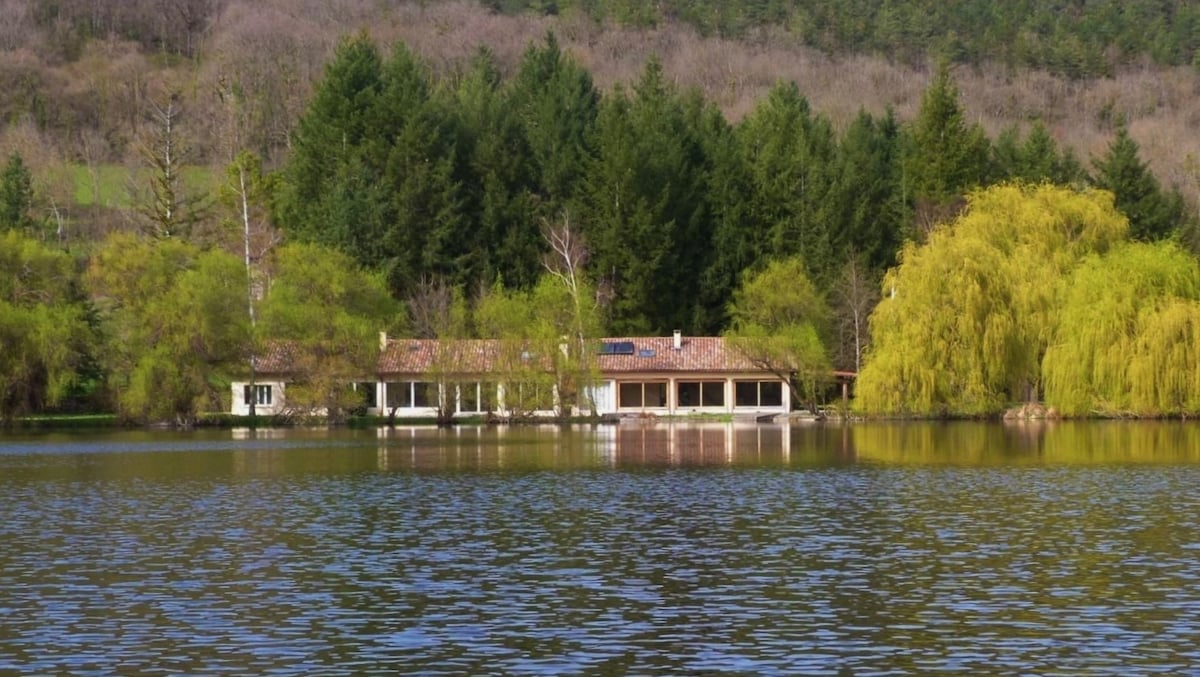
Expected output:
(16, 194)
(1153, 214)
(643, 200)
(412, 132)
(946, 156)
(497, 176)
(737, 240)
(558, 105)
(328, 194)
(1040, 160)
(790, 154)
(866, 193)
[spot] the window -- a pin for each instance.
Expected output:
(257, 394)
(425, 394)
(399, 395)
(409, 394)
(639, 394)
(468, 397)
(528, 396)
(700, 394)
(758, 393)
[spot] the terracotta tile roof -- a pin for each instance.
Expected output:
(277, 358)
(650, 354)
(658, 354)
(420, 356)
(480, 356)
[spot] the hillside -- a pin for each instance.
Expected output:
(81, 95)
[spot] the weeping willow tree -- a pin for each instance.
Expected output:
(967, 316)
(1128, 333)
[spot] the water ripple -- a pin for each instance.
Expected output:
(330, 559)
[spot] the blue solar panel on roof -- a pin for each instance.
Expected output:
(616, 348)
(646, 352)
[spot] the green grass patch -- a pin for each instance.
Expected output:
(67, 421)
(110, 185)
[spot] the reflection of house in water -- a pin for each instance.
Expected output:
(426, 448)
(477, 447)
(701, 444)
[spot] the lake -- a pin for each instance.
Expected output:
(864, 549)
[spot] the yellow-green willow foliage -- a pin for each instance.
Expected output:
(966, 317)
(1128, 335)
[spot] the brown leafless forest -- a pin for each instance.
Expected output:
(79, 97)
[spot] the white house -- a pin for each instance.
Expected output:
(635, 377)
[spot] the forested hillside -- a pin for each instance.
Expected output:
(453, 154)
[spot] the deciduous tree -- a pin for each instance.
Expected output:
(967, 317)
(175, 325)
(778, 319)
(43, 330)
(1127, 335)
(329, 312)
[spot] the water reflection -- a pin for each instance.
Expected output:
(865, 549)
(1049, 442)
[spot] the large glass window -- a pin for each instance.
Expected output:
(641, 395)
(408, 394)
(468, 397)
(425, 394)
(476, 398)
(528, 396)
(758, 393)
(700, 393)
(399, 395)
(257, 394)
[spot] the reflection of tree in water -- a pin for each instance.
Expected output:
(1027, 442)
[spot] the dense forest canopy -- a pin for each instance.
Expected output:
(453, 156)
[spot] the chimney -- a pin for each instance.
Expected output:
(383, 340)
(678, 342)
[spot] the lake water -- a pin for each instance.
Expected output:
(826, 550)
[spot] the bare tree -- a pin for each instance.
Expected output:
(566, 260)
(164, 204)
(853, 298)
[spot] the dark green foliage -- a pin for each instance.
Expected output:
(498, 178)
(946, 156)
(790, 155)
(872, 219)
(1034, 160)
(642, 209)
(557, 105)
(373, 172)
(1153, 213)
(325, 196)
(736, 242)
(1077, 39)
(16, 195)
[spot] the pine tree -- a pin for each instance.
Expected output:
(946, 156)
(867, 193)
(497, 177)
(327, 190)
(790, 153)
(16, 194)
(558, 105)
(643, 205)
(412, 132)
(1153, 214)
